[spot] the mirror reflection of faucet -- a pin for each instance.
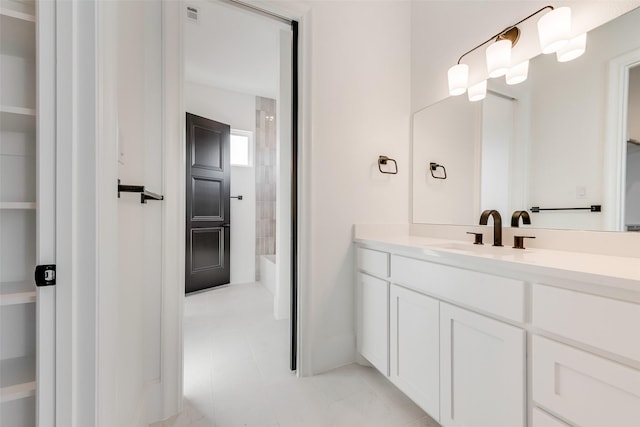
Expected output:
(515, 218)
(497, 224)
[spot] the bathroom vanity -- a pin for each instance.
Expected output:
(494, 336)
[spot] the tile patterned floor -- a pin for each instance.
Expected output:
(236, 374)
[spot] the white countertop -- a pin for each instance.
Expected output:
(541, 265)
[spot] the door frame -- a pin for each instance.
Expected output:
(615, 148)
(173, 107)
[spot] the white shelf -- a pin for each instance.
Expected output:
(17, 119)
(17, 378)
(17, 33)
(17, 293)
(17, 205)
(16, 14)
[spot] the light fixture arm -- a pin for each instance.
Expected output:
(501, 34)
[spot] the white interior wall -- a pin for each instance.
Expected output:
(498, 138)
(448, 133)
(238, 110)
(139, 225)
(357, 101)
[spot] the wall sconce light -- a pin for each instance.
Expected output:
(554, 34)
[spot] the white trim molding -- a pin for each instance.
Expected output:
(615, 149)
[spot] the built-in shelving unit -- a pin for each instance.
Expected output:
(17, 378)
(17, 212)
(23, 292)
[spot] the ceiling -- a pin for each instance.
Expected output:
(233, 49)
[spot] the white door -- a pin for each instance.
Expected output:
(373, 318)
(483, 370)
(414, 334)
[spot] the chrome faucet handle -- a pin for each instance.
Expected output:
(477, 239)
(518, 241)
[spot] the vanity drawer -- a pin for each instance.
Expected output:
(373, 262)
(601, 322)
(498, 295)
(588, 390)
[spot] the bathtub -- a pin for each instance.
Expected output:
(268, 272)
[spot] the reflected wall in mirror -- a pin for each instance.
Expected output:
(558, 140)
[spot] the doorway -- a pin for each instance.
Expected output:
(240, 69)
(632, 181)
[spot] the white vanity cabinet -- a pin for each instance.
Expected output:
(584, 388)
(482, 370)
(373, 318)
(415, 357)
(483, 341)
(372, 298)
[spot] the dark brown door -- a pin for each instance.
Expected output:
(208, 220)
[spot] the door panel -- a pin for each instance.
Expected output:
(207, 262)
(207, 199)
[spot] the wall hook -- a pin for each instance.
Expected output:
(434, 167)
(383, 160)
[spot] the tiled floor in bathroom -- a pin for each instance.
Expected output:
(236, 373)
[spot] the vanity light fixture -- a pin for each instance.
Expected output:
(499, 58)
(554, 29)
(478, 91)
(518, 73)
(575, 48)
(458, 79)
(554, 32)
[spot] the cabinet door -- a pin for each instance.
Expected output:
(414, 333)
(373, 321)
(483, 370)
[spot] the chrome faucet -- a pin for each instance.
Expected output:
(515, 218)
(497, 225)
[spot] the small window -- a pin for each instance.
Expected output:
(241, 148)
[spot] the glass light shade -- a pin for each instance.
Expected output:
(458, 79)
(499, 58)
(518, 73)
(478, 91)
(573, 49)
(554, 29)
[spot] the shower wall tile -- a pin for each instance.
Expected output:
(265, 164)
